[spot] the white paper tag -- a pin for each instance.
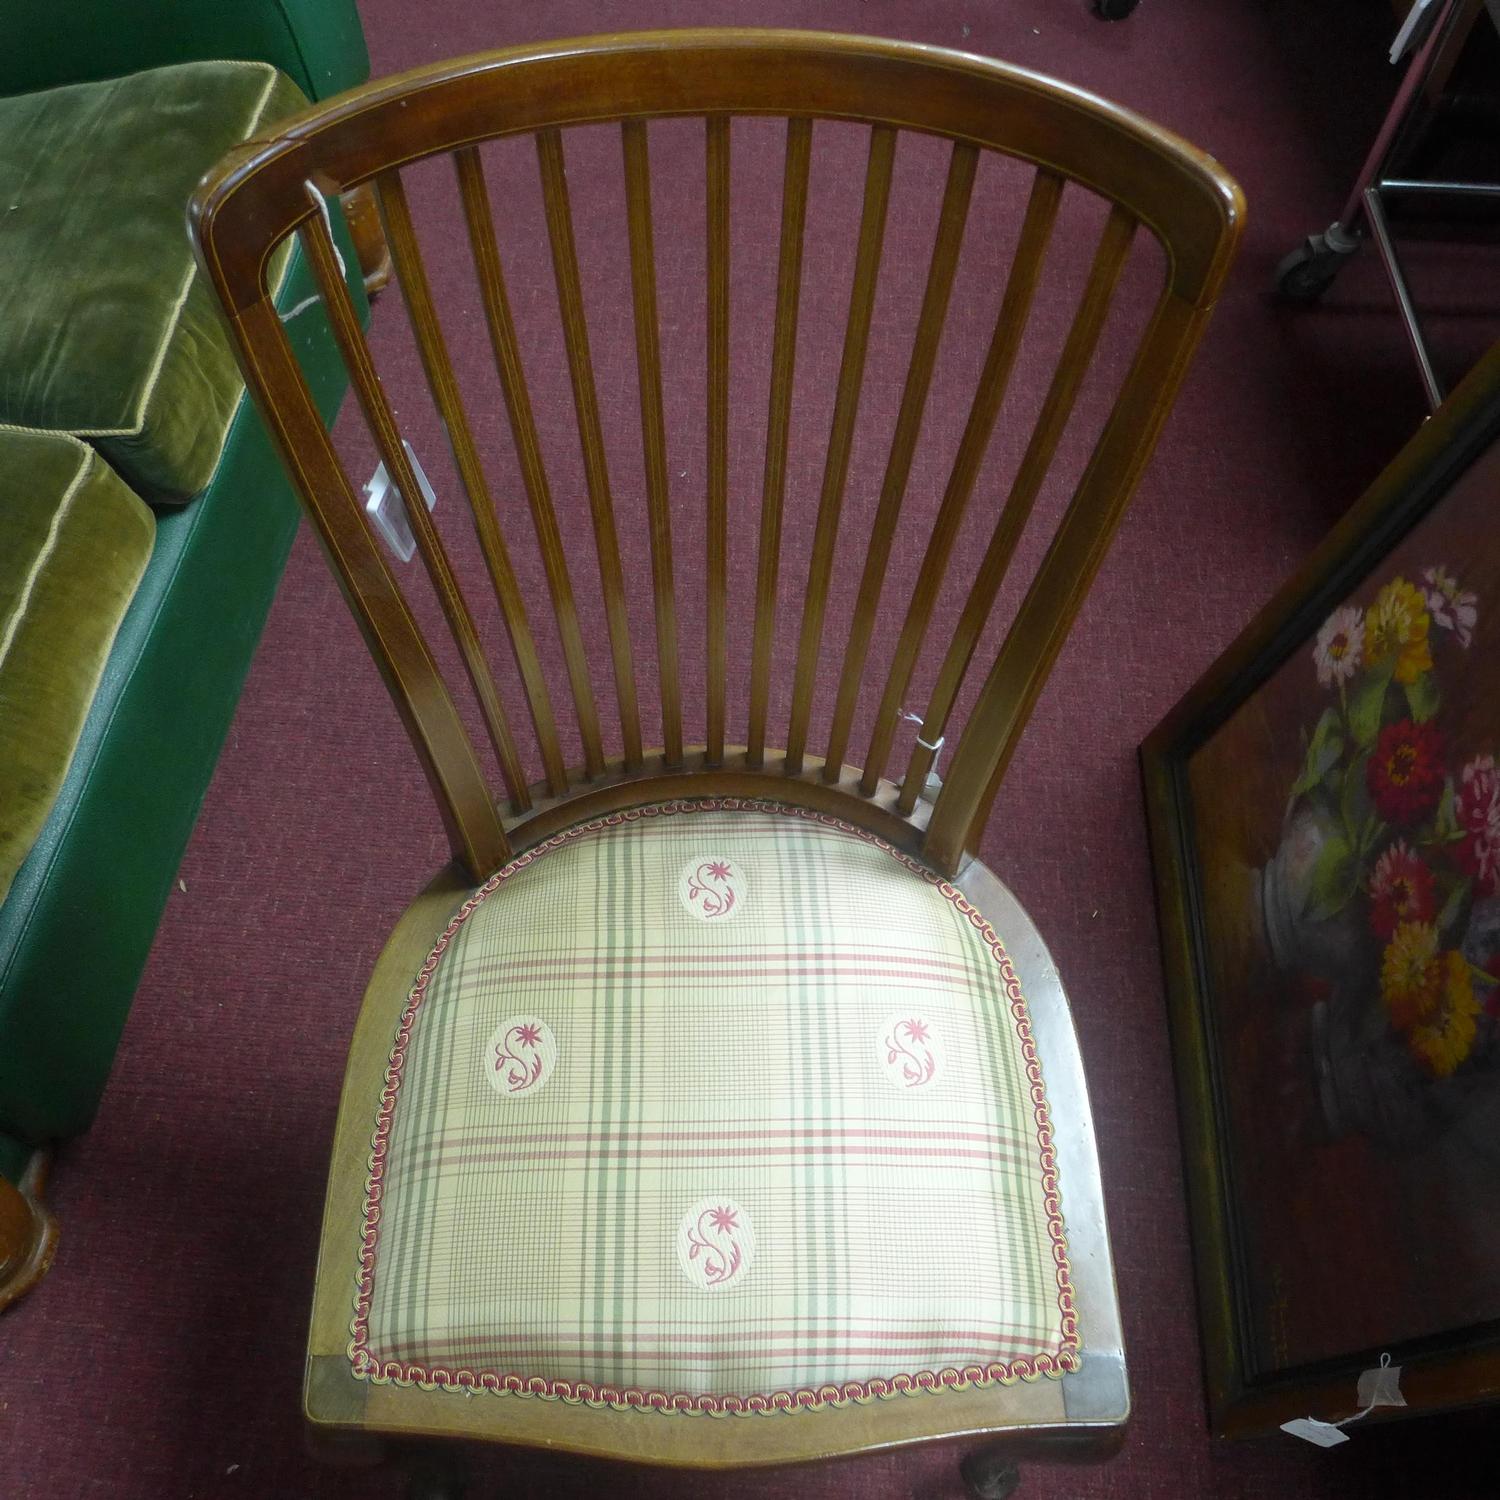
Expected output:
(1324, 1434)
(383, 504)
(1406, 36)
(1381, 1386)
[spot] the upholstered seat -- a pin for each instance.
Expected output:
(714, 1104)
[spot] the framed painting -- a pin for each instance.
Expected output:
(1325, 826)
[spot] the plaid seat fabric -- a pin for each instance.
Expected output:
(713, 1107)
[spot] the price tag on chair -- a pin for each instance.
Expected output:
(383, 506)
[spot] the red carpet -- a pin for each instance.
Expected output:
(162, 1357)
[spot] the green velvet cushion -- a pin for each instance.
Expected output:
(106, 329)
(74, 541)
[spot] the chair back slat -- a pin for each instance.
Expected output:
(994, 377)
(479, 220)
(411, 275)
(328, 271)
(717, 155)
(653, 428)
(551, 163)
(841, 435)
(962, 165)
(1062, 394)
(1005, 701)
(958, 532)
(778, 428)
(396, 642)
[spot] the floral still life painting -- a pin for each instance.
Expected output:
(1367, 943)
(1325, 810)
(1394, 843)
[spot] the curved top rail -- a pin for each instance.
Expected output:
(256, 196)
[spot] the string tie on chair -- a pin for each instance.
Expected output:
(916, 719)
(934, 782)
(321, 204)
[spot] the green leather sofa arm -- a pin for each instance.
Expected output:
(317, 43)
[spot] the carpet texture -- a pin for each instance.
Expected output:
(162, 1356)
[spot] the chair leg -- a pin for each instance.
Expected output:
(990, 1474)
(28, 1233)
(368, 234)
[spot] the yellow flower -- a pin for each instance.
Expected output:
(1396, 625)
(1411, 974)
(1443, 1042)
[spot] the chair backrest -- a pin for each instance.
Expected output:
(964, 106)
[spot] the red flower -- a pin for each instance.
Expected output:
(1401, 890)
(1405, 771)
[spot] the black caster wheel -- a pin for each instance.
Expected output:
(1308, 272)
(1114, 10)
(989, 1475)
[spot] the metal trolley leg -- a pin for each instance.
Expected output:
(1308, 272)
(1310, 269)
(1375, 213)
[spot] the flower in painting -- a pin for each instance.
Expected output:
(1396, 626)
(915, 1030)
(1477, 803)
(1411, 975)
(1442, 1041)
(1479, 855)
(1476, 806)
(1451, 608)
(1492, 988)
(528, 1034)
(1340, 646)
(1401, 890)
(1405, 771)
(723, 1219)
(1481, 946)
(717, 869)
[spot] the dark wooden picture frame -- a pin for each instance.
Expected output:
(1249, 1393)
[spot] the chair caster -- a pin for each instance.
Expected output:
(1308, 272)
(990, 1475)
(1114, 10)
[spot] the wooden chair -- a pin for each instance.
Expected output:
(642, 1162)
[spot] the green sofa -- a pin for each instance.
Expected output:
(144, 518)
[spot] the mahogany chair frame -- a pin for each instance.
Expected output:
(270, 188)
